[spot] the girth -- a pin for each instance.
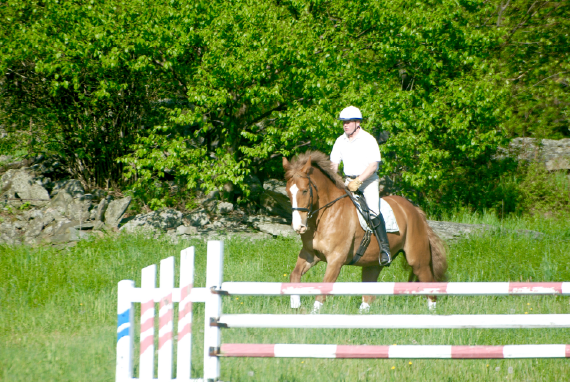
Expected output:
(361, 206)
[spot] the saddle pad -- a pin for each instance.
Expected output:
(387, 213)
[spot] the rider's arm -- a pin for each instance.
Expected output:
(334, 167)
(371, 169)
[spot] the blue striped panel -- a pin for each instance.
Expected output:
(123, 333)
(123, 318)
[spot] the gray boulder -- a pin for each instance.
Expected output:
(184, 230)
(198, 218)
(74, 208)
(275, 185)
(21, 184)
(276, 203)
(115, 211)
(101, 208)
(553, 153)
(72, 186)
(155, 221)
(224, 207)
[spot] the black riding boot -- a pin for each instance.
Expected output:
(380, 231)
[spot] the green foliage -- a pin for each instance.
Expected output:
(179, 95)
(272, 78)
(84, 77)
(542, 191)
(534, 59)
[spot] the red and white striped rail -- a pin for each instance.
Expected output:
(393, 351)
(389, 288)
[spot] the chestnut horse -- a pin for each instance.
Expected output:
(330, 230)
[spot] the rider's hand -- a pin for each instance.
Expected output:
(354, 184)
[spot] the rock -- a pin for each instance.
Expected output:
(5, 158)
(115, 211)
(254, 185)
(453, 231)
(184, 230)
(276, 185)
(60, 202)
(9, 234)
(75, 209)
(85, 226)
(72, 186)
(21, 184)
(275, 229)
(101, 208)
(99, 194)
(157, 220)
(277, 204)
(555, 154)
(34, 228)
(224, 207)
(198, 218)
(79, 209)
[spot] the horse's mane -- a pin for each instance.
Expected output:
(318, 160)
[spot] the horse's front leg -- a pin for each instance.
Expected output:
(305, 261)
(334, 265)
(369, 274)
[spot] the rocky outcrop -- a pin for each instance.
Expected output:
(31, 214)
(555, 154)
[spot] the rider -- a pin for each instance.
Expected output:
(360, 153)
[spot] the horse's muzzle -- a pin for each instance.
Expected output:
(301, 229)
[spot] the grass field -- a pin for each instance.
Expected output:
(58, 316)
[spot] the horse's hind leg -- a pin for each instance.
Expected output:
(369, 274)
(421, 270)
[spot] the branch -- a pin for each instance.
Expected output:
(294, 148)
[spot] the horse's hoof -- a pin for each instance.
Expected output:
(432, 305)
(295, 302)
(364, 308)
(317, 307)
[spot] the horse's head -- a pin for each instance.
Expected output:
(300, 191)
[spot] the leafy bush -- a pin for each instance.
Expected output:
(544, 192)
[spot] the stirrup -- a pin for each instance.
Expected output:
(385, 259)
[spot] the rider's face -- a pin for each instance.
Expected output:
(350, 125)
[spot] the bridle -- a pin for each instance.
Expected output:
(309, 208)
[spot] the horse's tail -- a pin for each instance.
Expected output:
(438, 251)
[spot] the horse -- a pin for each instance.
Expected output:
(330, 230)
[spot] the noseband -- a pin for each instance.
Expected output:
(309, 208)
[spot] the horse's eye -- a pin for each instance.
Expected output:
(304, 192)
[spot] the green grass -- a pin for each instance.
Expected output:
(58, 317)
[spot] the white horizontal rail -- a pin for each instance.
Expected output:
(142, 295)
(390, 288)
(395, 321)
(394, 351)
(162, 380)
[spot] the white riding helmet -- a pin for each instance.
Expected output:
(349, 113)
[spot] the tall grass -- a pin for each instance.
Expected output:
(58, 317)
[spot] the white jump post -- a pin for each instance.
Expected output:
(213, 309)
(166, 295)
(125, 335)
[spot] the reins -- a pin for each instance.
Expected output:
(309, 208)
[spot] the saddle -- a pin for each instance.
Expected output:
(373, 223)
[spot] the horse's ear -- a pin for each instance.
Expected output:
(286, 164)
(307, 167)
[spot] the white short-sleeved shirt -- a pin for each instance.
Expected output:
(356, 154)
